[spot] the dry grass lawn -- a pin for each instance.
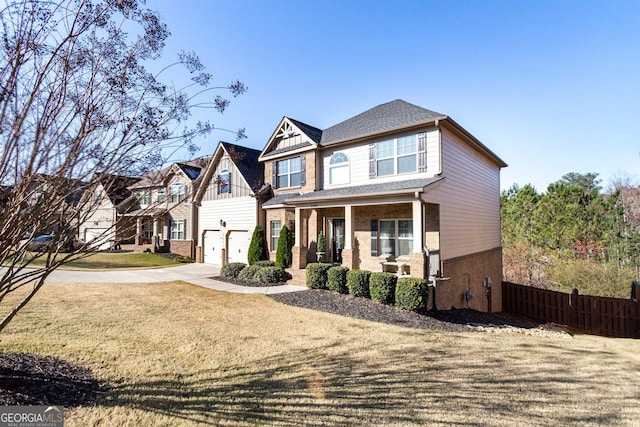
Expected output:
(105, 260)
(177, 354)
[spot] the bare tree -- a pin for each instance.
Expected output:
(77, 101)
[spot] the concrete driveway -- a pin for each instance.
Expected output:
(197, 274)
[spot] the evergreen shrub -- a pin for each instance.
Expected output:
(316, 273)
(337, 279)
(382, 287)
(411, 293)
(232, 269)
(358, 282)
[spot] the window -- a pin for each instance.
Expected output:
(396, 237)
(161, 195)
(144, 197)
(224, 182)
(97, 195)
(339, 169)
(177, 192)
(397, 156)
(147, 230)
(178, 229)
(288, 173)
(275, 233)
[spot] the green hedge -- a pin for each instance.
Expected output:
(232, 269)
(265, 263)
(382, 287)
(358, 282)
(316, 273)
(337, 279)
(271, 275)
(411, 293)
(249, 272)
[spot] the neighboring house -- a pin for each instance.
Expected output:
(166, 217)
(228, 209)
(106, 201)
(397, 187)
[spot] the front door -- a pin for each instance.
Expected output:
(337, 240)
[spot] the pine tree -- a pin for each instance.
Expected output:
(257, 249)
(283, 253)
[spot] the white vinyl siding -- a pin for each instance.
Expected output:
(469, 199)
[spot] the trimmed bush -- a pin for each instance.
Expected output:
(271, 275)
(249, 272)
(283, 253)
(411, 293)
(257, 247)
(358, 282)
(265, 263)
(382, 287)
(316, 273)
(232, 269)
(337, 279)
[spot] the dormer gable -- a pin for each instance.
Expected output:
(290, 137)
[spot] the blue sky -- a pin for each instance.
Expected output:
(550, 86)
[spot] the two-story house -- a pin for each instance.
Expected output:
(228, 209)
(166, 217)
(105, 202)
(397, 187)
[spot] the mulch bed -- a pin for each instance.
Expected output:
(362, 308)
(249, 283)
(27, 379)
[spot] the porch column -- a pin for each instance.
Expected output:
(138, 239)
(418, 226)
(349, 229)
(417, 256)
(299, 250)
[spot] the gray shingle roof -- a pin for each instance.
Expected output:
(387, 116)
(280, 199)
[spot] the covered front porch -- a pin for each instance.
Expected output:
(150, 232)
(396, 235)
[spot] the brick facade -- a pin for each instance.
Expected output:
(469, 272)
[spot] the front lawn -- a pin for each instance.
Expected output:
(178, 354)
(104, 260)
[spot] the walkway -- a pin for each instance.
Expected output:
(197, 274)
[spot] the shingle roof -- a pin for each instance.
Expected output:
(247, 163)
(116, 186)
(387, 116)
(356, 191)
(312, 132)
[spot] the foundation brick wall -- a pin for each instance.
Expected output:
(182, 247)
(469, 272)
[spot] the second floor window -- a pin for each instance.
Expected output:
(177, 192)
(339, 169)
(224, 182)
(161, 195)
(144, 197)
(289, 172)
(406, 154)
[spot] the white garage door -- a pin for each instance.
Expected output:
(239, 246)
(90, 234)
(213, 247)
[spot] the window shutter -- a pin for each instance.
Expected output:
(184, 229)
(229, 177)
(372, 160)
(274, 174)
(422, 152)
(374, 237)
(303, 167)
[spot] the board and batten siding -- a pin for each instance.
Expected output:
(239, 188)
(469, 199)
(359, 163)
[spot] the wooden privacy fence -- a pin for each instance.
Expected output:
(612, 317)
